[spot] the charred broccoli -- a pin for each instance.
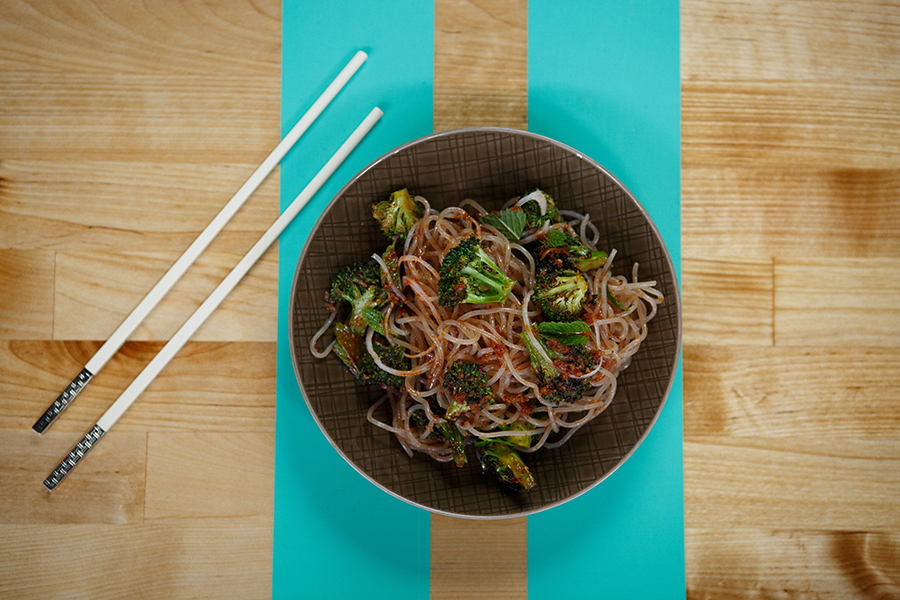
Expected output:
(397, 214)
(359, 284)
(559, 358)
(470, 276)
(351, 349)
(504, 465)
(538, 207)
(392, 356)
(446, 432)
(562, 390)
(560, 290)
(468, 386)
(584, 259)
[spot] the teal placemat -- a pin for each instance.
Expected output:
(603, 77)
(336, 535)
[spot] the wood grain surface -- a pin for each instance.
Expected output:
(125, 126)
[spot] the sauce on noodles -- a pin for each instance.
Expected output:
(434, 336)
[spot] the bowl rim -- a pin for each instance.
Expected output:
(506, 131)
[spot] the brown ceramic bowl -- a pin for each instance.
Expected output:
(489, 165)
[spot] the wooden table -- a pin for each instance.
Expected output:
(125, 126)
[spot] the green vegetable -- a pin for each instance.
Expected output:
(542, 367)
(397, 214)
(534, 214)
(391, 279)
(510, 222)
(392, 356)
(444, 431)
(560, 290)
(351, 349)
(467, 383)
(558, 377)
(470, 276)
(572, 333)
(347, 346)
(374, 319)
(613, 299)
(454, 437)
(358, 284)
(583, 258)
(556, 238)
(559, 390)
(504, 465)
(596, 260)
(522, 441)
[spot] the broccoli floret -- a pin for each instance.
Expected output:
(351, 349)
(359, 284)
(583, 258)
(559, 377)
(392, 356)
(504, 465)
(470, 276)
(444, 431)
(561, 390)
(397, 214)
(469, 390)
(560, 290)
(538, 207)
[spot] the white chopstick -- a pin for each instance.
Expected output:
(131, 322)
(168, 351)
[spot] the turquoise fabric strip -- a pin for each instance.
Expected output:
(336, 535)
(603, 77)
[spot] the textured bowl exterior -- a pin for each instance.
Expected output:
(489, 165)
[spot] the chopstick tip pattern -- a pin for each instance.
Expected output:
(62, 401)
(77, 453)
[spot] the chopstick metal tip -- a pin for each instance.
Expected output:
(73, 457)
(62, 401)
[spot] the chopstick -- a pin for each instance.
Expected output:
(168, 351)
(140, 312)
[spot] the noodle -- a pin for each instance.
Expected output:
(494, 335)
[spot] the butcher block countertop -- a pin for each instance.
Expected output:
(124, 127)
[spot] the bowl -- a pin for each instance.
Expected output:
(489, 165)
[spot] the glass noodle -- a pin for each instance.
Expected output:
(433, 337)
